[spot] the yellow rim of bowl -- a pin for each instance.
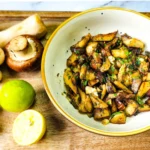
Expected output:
(51, 96)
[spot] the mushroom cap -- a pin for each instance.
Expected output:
(27, 63)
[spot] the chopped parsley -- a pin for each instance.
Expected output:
(104, 80)
(112, 68)
(139, 100)
(115, 94)
(77, 52)
(109, 102)
(85, 82)
(137, 62)
(115, 113)
(97, 51)
(127, 52)
(69, 77)
(131, 66)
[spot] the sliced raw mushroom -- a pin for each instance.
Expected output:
(21, 57)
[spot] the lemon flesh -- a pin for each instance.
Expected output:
(29, 127)
(16, 95)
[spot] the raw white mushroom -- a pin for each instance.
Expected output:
(33, 25)
(2, 56)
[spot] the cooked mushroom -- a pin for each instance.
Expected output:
(121, 86)
(113, 107)
(104, 90)
(148, 93)
(86, 104)
(144, 88)
(135, 85)
(83, 42)
(97, 103)
(120, 53)
(132, 42)
(90, 75)
(101, 113)
(21, 57)
(112, 43)
(143, 108)
(118, 118)
(95, 65)
(121, 72)
(72, 60)
(74, 99)
(83, 71)
(105, 66)
(89, 90)
(110, 87)
(104, 37)
(68, 80)
(147, 77)
(131, 107)
(91, 48)
(148, 102)
(144, 67)
(93, 82)
(119, 104)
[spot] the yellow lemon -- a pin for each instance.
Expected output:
(29, 127)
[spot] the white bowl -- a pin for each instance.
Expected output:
(100, 20)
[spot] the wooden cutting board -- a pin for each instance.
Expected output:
(61, 134)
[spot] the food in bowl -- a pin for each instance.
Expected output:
(108, 77)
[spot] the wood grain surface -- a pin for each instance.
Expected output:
(61, 134)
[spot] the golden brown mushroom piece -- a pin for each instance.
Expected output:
(23, 52)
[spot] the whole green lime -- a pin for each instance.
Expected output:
(16, 95)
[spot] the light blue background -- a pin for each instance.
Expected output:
(62, 5)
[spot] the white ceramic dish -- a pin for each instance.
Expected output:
(100, 20)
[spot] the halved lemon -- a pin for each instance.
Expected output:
(29, 127)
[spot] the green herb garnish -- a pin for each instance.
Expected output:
(137, 62)
(115, 113)
(69, 77)
(77, 52)
(131, 66)
(97, 51)
(115, 94)
(85, 82)
(112, 68)
(139, 100)
(104, 80)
